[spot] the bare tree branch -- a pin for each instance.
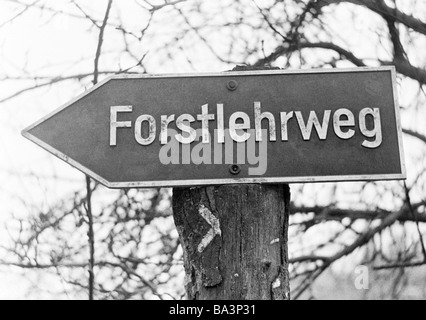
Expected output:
(55, 80)
(380, 7)
(402, 65)
(415, 134)
(91, 236)
(399, 51)
(20, 13)
(401, 265)
(38, 266)
(100, 41)
(270, 24)
(45, 8)
(286, 48)
(358, 243)
(165, 4)
(416, 219)
(95, 23)
(336, 214)
(408, 70)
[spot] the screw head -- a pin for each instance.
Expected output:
(234, 169)
(232, 85)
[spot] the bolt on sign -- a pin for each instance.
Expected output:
(234, 127)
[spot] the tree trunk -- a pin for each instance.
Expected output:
(234, 240)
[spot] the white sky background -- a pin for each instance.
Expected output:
(47, 45)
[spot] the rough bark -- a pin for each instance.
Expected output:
(234, 240)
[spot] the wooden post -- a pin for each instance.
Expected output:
(248, 258)
(234, 240)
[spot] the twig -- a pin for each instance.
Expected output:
(415, 134)
(91, 236)
(149, 284)
(44, 266)
(270, 24)
(290, 47)
(51, 82)
(100, 41)
(402, 66)
(380, 7)
(400, 265)
(88, 180)
(122, 266)
(203, 39)
(416, 218)
(358, 243)
(166, 4)
(85, 14)
(46, 9)
(20, 13)
(308, 259)
(337, 214)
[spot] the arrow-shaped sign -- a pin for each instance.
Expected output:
(189, 130)
(213, 232)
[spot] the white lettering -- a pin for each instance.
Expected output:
(376, 132)
(306, 129)
(114, 124)
(205, 117)
(285, 117)
(152, 130)
(339, 123)
(236, 128)
(258, 117)
(165, 121)
(182, 124)
(240, 128)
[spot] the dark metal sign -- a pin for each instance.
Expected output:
(237, 127)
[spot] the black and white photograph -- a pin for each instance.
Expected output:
(213, 158)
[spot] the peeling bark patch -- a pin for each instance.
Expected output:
(213, 232)
(280, 287)
(276, 284)
(275, 241)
